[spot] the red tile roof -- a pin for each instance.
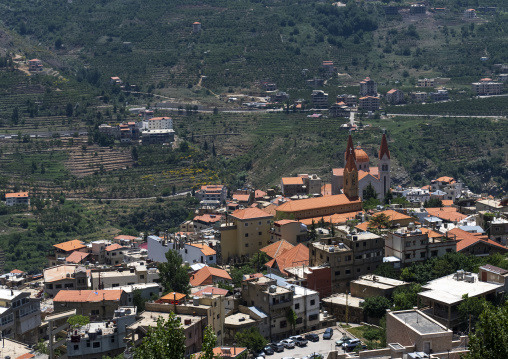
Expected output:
(316, 203)
(114, 247)
(205, 276)
(68, 246)
(291, 258)
(213, 290)
(250, 213)
(292, 181)
(209, 218)
(82, 296)
(205, 248)
(384, 148)
(125, 237)
(338, 218)
(275, 249)
(16, 195)
(76, 257)
(173, 296)
(449, 214)
(467, 239)
(17, 271)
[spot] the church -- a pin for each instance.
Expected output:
(354, 179)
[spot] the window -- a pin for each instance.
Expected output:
(115, 285)
(246, 245)
(76, 346)
(313, 317)
(58, 286)
(337, 272)
(408, 243)
(69, 285)
(246, 224)
(365, 244)
(348, 258)
(95, 312)
(422, 254)
(422, 242)
(112, 339)
(357, 270)
(88, 343)
(297, 306)
(259, 233)
(142, 276)
(348, 271)
(96, 344)
(299, 320)
(283, 323)
(246, 235)
(211, 257)
(408, 255)
(312, 301)
(433, 253)
(259, 222)
(448, 250)
(357, 244)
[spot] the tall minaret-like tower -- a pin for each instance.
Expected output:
(350, 188)
(384, 166)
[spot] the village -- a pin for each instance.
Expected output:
(311, 250)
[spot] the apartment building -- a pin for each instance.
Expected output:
(319, 99)
(35, 65)
(395, 97)
(349, 256)
(426, 82)
(449, 185)
(63, 250)
(156, 123)
(487, 87)
(135, 274)
(20, 316)
(439, 95)
(368, 87)
(66, 276)
(291, 231)
(212, 193)
(369, 103)
(97, 304)
(18, 198)
(291, 186)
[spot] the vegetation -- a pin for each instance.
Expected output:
(174, 276)
(375, 307)
(77, 321)
(251, 339)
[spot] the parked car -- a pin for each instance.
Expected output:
(313, 337)
(288, 343)
(299, 340)
(351, 345)
(328, 333)
(343, 340)
(277, 347)
(314, 356)
(268, 350)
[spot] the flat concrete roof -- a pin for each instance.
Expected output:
(149, 319)
(379, 282)
(239, 319)
(341, 300)
(419, 322)
(449, 290)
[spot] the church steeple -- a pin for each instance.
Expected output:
(350, 187)
(384, 166)
(383, 150)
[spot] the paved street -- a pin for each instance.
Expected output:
(322, 347)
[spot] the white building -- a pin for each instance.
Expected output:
(96, 340)
(20, 315)
(416, 195)
(147, 291)
(212, 193)
(448, 185)
(190, 252)
(156, 123)
(21, 198)
(124, 277)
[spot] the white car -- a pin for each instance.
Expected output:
(288, 343)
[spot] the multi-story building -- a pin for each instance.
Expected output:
(156, 123)
(419, 96)
(319, 99)
(135, 274)
(426, 82)
(101, 339)
(374, 285)
(293, 232)
(349, 100)
(20, 316)
(340, 109)
(470, 14)
(395, 96)
(449, 185)
(97, 304)
(63, 250)
(439, 95)
(18, 198)
(196, 26)
(149, 137)
(191, 253)
(247, 231)
(348, 255)
(368, 87)
(320, 206)
(486, 87)
(312, 183)
(273, 300)
(66, 276)
(114, 254)
(413, 245)
(369, 103)
(212, 193)
(35, 65)
(417, 9)
(291, 186)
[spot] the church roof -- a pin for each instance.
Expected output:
(361, 155)
(384, 148)
(350, 149)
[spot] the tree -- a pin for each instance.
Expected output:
(173, 275)
(258, 260)
(380, 220)
(491, 334)
(251, 338)
(41, 347)
(134, 153)
(69, 110)
(77, 321)
(291, 317)
(472, 307)
(370, 192)
(15, 115)
(375, 307)
(406, 297)
(166, 340)
(209, 342)
(433, 203)
(138, 300)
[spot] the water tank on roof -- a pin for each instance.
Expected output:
(195, 301)
(272, 289)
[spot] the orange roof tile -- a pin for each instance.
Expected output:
(292, 181)
(259, 194)
(114, 247)
(252, 276)
(17, 271)
(394, 215)
(449, 214)
(467, 239)
(173, 296)
(316, 203)
(270, 209)
(447, 202)
(364, 226)
(205, 249)
(283, 222)
(16, 195)
(230, 353)
(76, 257)
(213, 290)
(275, 249)
(241, 197)
(392, 91)
(338, 218)
(205, 276)
(125, 238)
(430, 232)
(83, 296)
(445, 179)
(326, 189)
(209, 218)
(25, 356)
(70, 245)
(338, 172)
(291, 258)
(250, 213)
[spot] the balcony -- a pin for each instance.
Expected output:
(278, 304)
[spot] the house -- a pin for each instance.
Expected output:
(487, 87)
(155, 123)
(291, 186)
(475, 243)
(147, 291)
(449, 185)
(319, 99)
(291, 231)
(20, 316)
(446, 214)
(206, 221)
(190, 252)
(35, 65)
(443, 295)
(415, 245)
(349, 100)
(370, 285)
(100, 339)
(345, 307)
(77, 257)
(97, 304)
(65, 277)
(418, 96)
(426, 82)
(328, 68)
(114, 254)
(368, 87)
(149, 137)
(470, 14)
(63, 250)
(395, 97)
(340, 109)
(196, 26)
(135, 274)
(247, 231)
(275, 249)
(212, 193)
(209, 275)
(18, 198)
(294, 257)
(369, 103)
(492, 205)
(417, 9)
(349, 255)
(312, 183)
(439, 95)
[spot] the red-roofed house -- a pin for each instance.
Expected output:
(296, 256)
(35, 65)
(114, 254)
(212, 193)
(96, 304)
(212, 290)
(208, 276)
(76, 257)
(247, 231)
(395, 96)
(63, 250)
(18, 198)
(206, 221)
(277, 248)
(475, 243)
(291, 186)
(292, 231)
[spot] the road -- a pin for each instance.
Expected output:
(128, 199)
(41, 134)
(450, 116)
(321, 347)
